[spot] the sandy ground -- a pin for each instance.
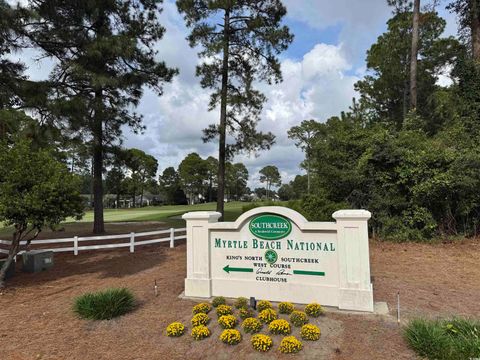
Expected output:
(37, 321)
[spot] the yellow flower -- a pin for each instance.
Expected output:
(200, 332)
(224, 310)
(290, 344)
(298, 318)
(200, 319)
(310, 332)
(267, 315)
(280, 327)
(251, 325)
(261, 342)
(175, 329)
(227, 321)
(202, 308)
(264, 304)
(231, 336)
(314, 310)
(286, 307)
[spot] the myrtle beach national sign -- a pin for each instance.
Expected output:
(274, 253)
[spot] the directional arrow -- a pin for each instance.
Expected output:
(233, 269)
(304, 272)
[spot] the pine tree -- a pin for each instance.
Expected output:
(105, 54)
(240, 41)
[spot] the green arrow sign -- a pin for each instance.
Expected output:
(228, 269)
(304, 272)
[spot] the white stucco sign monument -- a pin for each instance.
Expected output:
(274, 253)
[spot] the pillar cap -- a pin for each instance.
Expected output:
(202, 215)
(352, 215)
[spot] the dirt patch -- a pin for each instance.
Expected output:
(37, 321)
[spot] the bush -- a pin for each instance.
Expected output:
(251, 325)
(175, 329)
(104, 305)
(246, 313)
(262, 342)
(200, 319)
(219, 300)
(264, 304)
(285, 308)
(227, 321)
(204, 308)
(298, 318)
(310, 332)
(444, 339)
(241, 303)
(254, 205)
(224, 310)
(231, 336)
(290, 344)
(267, 316)
(314, 310)
(280, 327)
(200, 332)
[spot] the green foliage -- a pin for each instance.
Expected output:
(286, 308)
(454, 339)
(298, 318)
(219, 300)
(239, 43)
(104, 305)
(241, 303)
(200, 319)
(271, 176)
(267, 316)
(246, 313)
(224, 310)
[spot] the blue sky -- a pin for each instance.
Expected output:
(326, 58)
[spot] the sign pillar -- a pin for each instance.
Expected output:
(355, 290)
(199, 280)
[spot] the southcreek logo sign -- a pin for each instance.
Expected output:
(270, 227)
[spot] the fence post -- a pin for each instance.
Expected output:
(75, 245)
(172, 237)
(132, 242)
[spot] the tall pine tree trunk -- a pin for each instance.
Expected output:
(475, 27)
(223, 117)
(98, 222)
(414, 55)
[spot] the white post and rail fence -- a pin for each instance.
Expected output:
(76, 244)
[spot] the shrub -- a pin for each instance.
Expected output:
(224, 310)
(263, 305)
(310, 332)
(241, 303)
(204, 308)
(104, 305)
(314, 310)
(444, 339)
(285, 308)
(219, 300)
(280, 326)
(246, 313)
(251, 325)
(200, 332)
(200, 319)
(227, 321)
(175, 329)
(290, 344)
(262, 342)
(267, 315)
(231, 336)
(298, 318)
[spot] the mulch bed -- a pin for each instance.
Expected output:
(37, 321)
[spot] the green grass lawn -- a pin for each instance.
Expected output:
(162, 213)
(169, 216)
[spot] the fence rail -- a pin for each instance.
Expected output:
(170, 235)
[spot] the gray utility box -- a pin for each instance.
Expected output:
(10, 270)
(37, 260)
